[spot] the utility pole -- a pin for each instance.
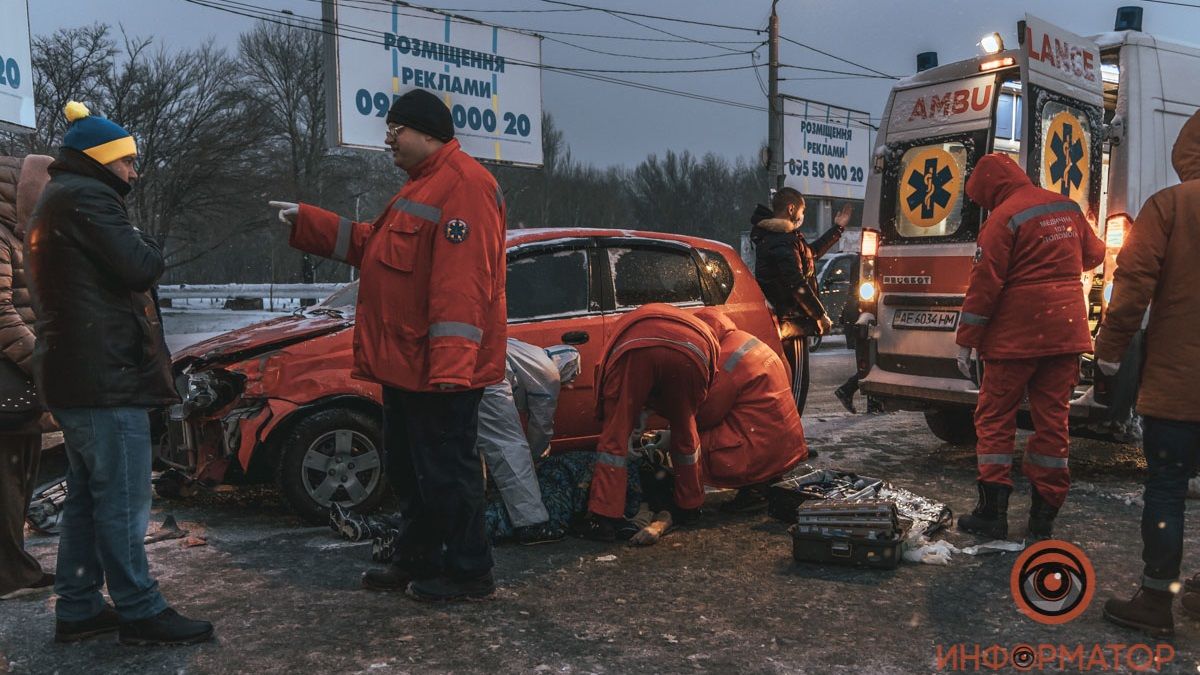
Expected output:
(774, 104)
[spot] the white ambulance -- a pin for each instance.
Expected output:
(1093, 118)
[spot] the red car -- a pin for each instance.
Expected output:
(276, 398)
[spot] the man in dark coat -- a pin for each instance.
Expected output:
(785, 267)
(100, 362)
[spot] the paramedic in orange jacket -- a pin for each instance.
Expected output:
(750, 431)
(662, 358)
(430, 327)
(1025, 314)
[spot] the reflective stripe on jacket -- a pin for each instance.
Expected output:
(659, 325)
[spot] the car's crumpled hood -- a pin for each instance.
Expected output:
(250, 341)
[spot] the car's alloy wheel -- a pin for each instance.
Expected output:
(333, 456)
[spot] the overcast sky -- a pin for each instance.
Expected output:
(611, 124)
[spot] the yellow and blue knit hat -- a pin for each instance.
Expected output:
(102, 140)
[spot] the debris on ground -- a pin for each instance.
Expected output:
(996, 546)
(168, 530)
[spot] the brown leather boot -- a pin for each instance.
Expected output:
(1149, 610)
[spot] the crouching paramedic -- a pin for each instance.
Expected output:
(431, 328)
(750, 431)
(662, 358)
(1024, 313)
(532, 379)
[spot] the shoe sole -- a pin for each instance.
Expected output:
(80, 637)
(437, 599)
(384, 589)
(1152, 631)
(145, 642)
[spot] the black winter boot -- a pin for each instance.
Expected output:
(1149, 611)
(1041, 518)
(990, 517)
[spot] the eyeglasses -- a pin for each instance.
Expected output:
(393, 130)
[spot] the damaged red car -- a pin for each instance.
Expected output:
(275, 401)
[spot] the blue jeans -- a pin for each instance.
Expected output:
(1172, 450)
(105, 516)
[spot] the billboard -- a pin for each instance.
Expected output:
(826, 149)
(16, 68)
(489, 77)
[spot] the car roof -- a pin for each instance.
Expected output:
(533, 235)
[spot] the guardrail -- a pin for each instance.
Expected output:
(245, 296)
(222, 291)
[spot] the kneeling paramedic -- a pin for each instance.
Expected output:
(1024, 313)
(431, 328)
(750, 431)
(662, 358)
(532, 379)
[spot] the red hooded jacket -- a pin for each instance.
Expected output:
(1025, 298)
(750, 431)
(659, 325)
(431, 304)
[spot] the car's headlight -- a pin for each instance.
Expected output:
(208, 390)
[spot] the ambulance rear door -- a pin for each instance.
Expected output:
(938, 128)
(1062, 137)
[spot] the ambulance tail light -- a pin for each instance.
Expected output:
(867, 290)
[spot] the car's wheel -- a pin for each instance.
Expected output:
(955, 426)
(333, 456)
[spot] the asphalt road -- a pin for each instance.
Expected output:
(722, 597)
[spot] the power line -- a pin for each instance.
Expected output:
(370, 7)
(315, 25)
(653, 16)
(838, 58)
(1169, 2)
(371, 37)
(838, 72)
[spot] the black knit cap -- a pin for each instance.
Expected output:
(424, 112)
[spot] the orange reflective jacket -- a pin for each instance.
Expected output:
(1025, 297)
(750, 431)
(431, 304)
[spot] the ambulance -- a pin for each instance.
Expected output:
(1092, 118)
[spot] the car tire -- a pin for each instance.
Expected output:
(333, 455)
(954, 426)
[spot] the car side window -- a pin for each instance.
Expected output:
(645, 275)
(839, 272)
(547, 284)
(718, 270)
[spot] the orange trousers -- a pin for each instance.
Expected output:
(672, 385)
(1049, 381)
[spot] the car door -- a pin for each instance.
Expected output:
(552, 300)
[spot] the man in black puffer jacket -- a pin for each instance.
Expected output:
(100, 362)
(785, 267)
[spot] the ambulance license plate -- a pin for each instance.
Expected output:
(924, 319)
